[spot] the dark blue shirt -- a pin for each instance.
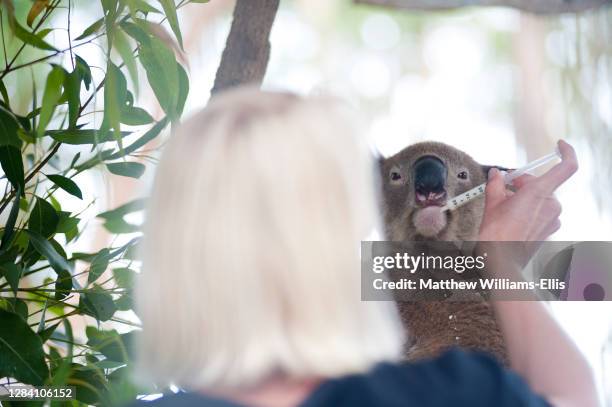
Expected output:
(456, 378)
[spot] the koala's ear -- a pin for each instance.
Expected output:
(379, 161)
(486, 168)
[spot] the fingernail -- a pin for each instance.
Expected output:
(492, 172)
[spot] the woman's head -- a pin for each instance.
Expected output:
(251, 252)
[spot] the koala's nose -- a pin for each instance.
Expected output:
(429, 175)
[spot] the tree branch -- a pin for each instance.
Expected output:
(247, 50)
(533, 6)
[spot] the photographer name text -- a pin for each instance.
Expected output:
(480, 284)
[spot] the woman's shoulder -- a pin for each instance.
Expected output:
(455, 378)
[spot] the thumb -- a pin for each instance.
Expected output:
(495, 192)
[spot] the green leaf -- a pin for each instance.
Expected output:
(70, 335)
(24, 205)
(170, 11)
(89, 383)
(72, 92)
(9, 227)
(84, 136)
(10, 255)
(22, 351)
(127, 169)
(58, 248)
(41, 323)
(143, 6)
(24, 122)
(98, 303)
(12, 273)
(115, 95)
(125, 248)
(152, 133)
(35, 112)
(110, 8)
(113, 219)
(111, 344)
(43, 219)
(123, 47)
(4, 93)
(162, 73)
(122, 389)
(46, 333)
(66, 184)
(8, 129)
(120, 226)
(66, 223)
(136, 31)
(125, 302)
(29, 38)
(98, 265)
(71, 234)
(55, 203)
(92, 29)
(44, 32)
(119, 212)
(20, 308)
(61, 368)
(12, 164)
(45, 248)
(75, 159)
(63, 285)
(84, 71)
(135, 116)
(51, 96)
(124, 277)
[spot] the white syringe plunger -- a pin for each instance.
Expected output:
(531, 166)
(462, 199)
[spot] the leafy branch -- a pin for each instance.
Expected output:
(41, 153)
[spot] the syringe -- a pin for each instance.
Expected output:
(475, 192)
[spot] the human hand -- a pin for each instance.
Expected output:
(532, 212)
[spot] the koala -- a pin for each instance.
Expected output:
(415, 183)
(424, 175)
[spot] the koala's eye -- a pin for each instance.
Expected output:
(395, 176)
(462, 175)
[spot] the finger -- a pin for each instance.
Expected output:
(553, 207)
(523, 180)
(551, 228)
(560, 173)
(495, 191)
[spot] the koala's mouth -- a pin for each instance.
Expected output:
(430, 175)
(425, 199)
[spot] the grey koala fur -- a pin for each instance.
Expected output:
(435, 326)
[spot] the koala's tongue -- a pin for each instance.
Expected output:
(429, 221)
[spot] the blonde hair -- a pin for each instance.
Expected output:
(251, 251)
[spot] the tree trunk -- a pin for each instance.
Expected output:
(533, 6)
(247, 49)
